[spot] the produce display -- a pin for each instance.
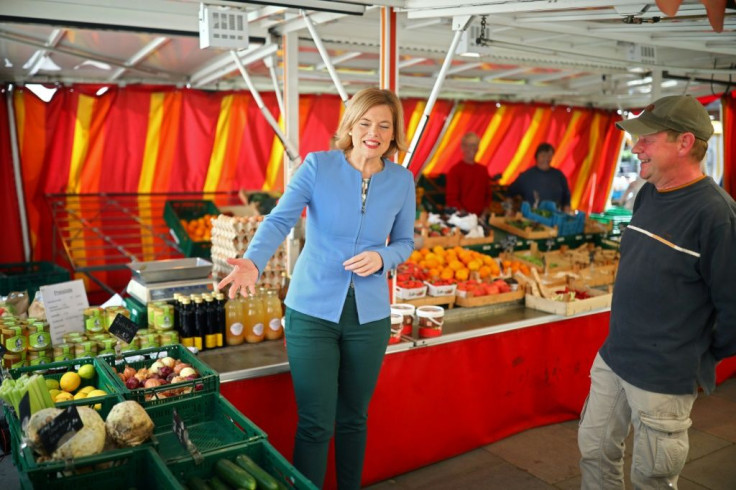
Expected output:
(12, 392)
(199, 229)
(240, 473)
(166, 371)
(127, 425)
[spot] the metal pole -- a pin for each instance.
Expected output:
(268, 61)
(460, 24)
(325, 57)
(290, 150)
(17, 175)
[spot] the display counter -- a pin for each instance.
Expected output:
(494, 372)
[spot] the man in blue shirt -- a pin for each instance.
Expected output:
(542, 182)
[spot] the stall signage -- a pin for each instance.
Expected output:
(61, 429)
(65, 303)
(123, 328)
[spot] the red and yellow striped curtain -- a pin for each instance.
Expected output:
(729, 139)
(161, 139)
(586, 141)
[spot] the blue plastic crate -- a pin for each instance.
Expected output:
(566, 224)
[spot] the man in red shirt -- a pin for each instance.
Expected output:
(467, 186)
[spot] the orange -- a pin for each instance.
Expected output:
(474, 265)
(455, 265)
(462, 274)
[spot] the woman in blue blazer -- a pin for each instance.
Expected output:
(360, 224)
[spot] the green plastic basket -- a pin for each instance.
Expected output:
(126, 469)
(102, 379)
(261, 452)
(39, 472)
(208, 381)
(212, 423)
(30, 276)
(175, 211)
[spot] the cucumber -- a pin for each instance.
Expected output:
(264, 480)
(196, 483)
(218, 484)
(234, 475)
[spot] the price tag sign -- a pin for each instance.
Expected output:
(61, 429)
(123, 328)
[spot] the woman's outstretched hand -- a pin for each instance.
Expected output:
(242, 278)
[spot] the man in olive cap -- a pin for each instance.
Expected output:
(673, 315)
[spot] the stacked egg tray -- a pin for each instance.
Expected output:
(230, 238)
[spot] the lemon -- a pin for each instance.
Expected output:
(95, 393)
(70, 381)
(80, 395)
(63, 396)
(54, 392)
(87, 371)
(87, 389)
(52, 384)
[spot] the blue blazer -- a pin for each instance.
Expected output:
(337, 228)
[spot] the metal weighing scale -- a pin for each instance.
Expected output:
(158, 280)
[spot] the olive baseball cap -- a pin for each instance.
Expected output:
(681, 113)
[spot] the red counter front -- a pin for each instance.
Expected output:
(438, 401)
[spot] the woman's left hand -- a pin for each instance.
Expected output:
(364, 264)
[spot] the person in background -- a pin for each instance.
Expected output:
(542, 182)
(467, 187)
(673, 315)
(338, 315)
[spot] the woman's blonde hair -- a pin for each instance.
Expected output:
(361, 102)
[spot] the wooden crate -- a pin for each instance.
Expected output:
(599, 299)
(595, 226)
(465, 241)
(432, 300)
(423, 240)
(501, 222)
(490, 299)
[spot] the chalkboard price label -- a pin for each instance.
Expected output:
(24, 410)
(61, 429)
(123, 328)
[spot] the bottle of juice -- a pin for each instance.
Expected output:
(234, 322)
(253, 319)
(274, 330)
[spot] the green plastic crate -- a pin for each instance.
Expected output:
(30, 276)
(40, 472)
(175, 211)
(126, 469)
(261, 452)
(212, 423)
(208, 381)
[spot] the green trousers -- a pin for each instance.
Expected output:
(334, 368)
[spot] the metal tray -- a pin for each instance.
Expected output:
(171, 269)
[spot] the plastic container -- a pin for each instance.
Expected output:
(430, 319)
(30, 276)
(407, 312)
(211, 421)
(397, 326)
(208, 381)
(175, 211)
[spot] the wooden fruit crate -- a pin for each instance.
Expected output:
(599, 299)
(447, 241)
(489, 299)
(502, 223)
(595, 226)
(465, 241)
(432, 300)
